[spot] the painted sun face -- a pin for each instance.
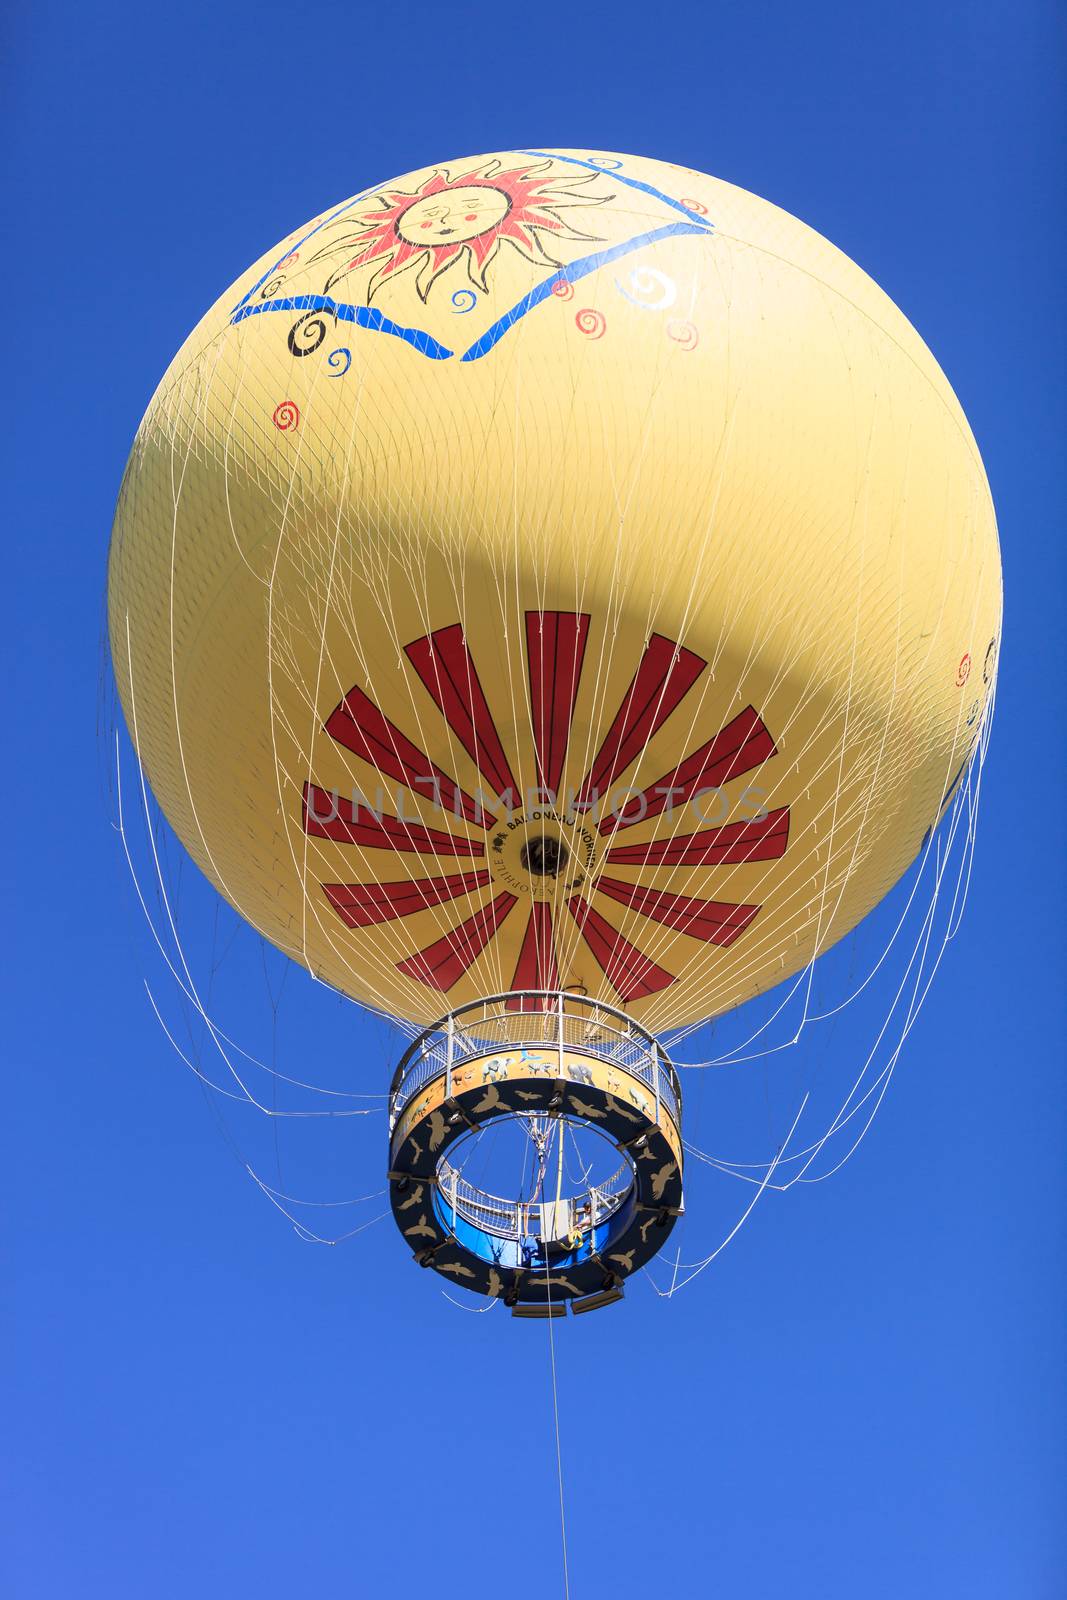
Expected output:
(455, 215)
(462, 219)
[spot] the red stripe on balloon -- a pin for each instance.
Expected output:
(446, 669)
(631, 975)
(663, 679)
(364, 905)
(536, 967)
(361, 727)
(555, 650)
(762, 840)
(715, 921)
(327, 816)
(445, 961)
(741, 745)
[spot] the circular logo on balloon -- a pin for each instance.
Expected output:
(542, 853)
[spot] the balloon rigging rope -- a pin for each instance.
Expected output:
(981, 742)
(170, 917)
(722, 1166)
(380, 998)
(441, 916)
(964, 804)
(272, 1195)
(650, 940)
(193, 998)
(559, 1454)
(737, 1056)
(176, 489)
(699, 1267)
(803, 979)
(881, 1083)
(321, 1205)
(390, 937)
(238, 1097)
(919, 950)
(550, 1319)
(306, 1233)
(755, 948)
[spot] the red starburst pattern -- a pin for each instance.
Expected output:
(555, 653)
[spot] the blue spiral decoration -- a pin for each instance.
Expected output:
(464, 300)
(335, 358)
(605, 163)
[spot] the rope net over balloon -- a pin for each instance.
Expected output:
(539, 478)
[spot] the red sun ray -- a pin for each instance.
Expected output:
(359, 726)
(329, 816)
(632, 975)
(664, 677)
(364, 905)
(536, 967)
(763, 839)
(715, 921)
(445, 961)
(555, 650)
(741, 745)
(446, 670)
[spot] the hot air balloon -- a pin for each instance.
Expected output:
(552, 595)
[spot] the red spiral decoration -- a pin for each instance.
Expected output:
(563, 290)
(695, 205)
(963, 671)
(590, 322)
(287, 261)
(683, 333)
(286, 416)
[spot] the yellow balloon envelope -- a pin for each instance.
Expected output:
(554, 570)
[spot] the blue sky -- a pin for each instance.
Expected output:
(863, 1396)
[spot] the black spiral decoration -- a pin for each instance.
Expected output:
(308, 332)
